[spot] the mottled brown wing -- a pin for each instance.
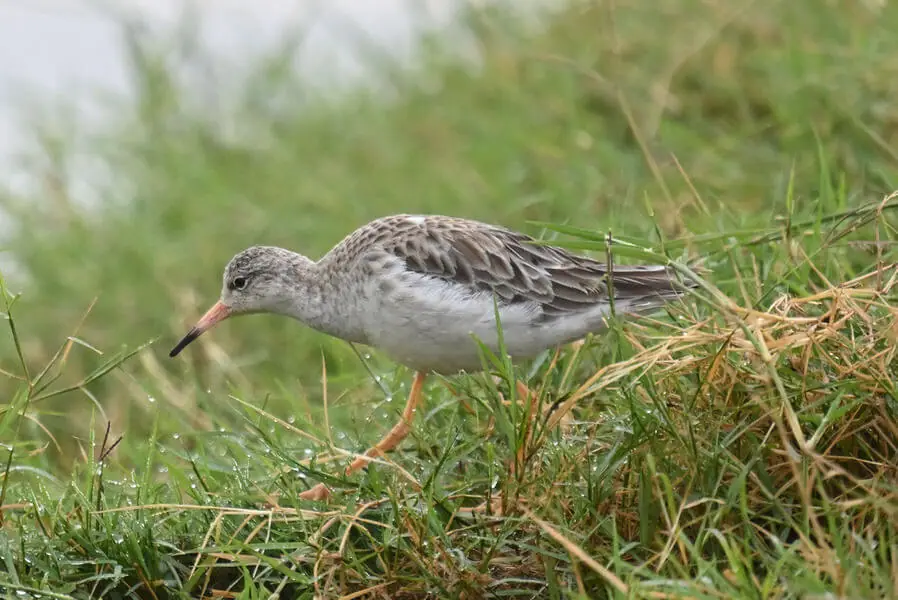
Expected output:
(493, 259)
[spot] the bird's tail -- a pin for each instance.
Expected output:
(644, 288)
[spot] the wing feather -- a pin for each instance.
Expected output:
(489, 259)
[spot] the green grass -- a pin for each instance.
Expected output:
(739, 445)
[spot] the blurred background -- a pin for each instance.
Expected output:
(143, 143)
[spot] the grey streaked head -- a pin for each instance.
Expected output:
(261, 279)
(258, 279)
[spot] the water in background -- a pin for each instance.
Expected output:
(71, 49)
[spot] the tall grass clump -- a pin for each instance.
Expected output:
(740, 444)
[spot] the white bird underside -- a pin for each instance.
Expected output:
(432, 326)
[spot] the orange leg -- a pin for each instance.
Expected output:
(398, 433)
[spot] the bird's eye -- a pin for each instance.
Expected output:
(239, 283)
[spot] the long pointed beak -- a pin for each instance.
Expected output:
(219, 312)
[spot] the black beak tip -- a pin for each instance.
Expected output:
(191, 335)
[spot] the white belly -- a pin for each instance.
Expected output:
(427, 324)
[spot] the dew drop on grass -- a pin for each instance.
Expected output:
(291, 419)
(118, 538)
(389, 398)
(308, 451)
(176, 436)
(193, 486)
(163, 470)
(150, 399)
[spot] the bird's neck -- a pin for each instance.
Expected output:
(321, 301)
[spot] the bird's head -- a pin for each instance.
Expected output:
(258, 279)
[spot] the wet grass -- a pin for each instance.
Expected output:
(740, 444)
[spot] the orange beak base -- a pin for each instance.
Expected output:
(219, 312)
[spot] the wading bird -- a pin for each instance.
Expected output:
(422, 288)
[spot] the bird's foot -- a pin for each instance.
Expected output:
(494, 507)
(319, 492)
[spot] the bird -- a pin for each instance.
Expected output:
(424, 289)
